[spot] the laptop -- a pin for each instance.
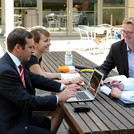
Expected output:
(92, 88)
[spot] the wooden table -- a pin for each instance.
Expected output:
(105, 116)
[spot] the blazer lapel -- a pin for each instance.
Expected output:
(8, 58)
(124, 57)
(28, 83)
(29, 87)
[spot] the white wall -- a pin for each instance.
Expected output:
(130, 8)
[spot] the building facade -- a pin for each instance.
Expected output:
(62, 16)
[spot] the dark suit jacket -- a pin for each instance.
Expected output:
(17, 102)
(117, 57)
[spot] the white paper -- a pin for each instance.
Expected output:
(69, 75)
(118, 77)
(106, 90)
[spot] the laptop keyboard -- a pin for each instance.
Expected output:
(82, 96)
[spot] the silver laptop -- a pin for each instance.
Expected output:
(91, 91)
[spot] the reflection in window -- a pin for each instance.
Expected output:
(88, 10)
(54, 14)
(25, 3)
(113, 3)
(18, 17)
(54, 5)
(118, 16)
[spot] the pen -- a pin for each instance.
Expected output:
(113, 84)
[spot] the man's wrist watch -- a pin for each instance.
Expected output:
(70, 80)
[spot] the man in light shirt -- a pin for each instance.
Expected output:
(121, 54)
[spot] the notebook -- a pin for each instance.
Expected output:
(70, 75)
(91, 91)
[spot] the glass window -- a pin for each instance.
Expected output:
(113, 3)
(87, 10)
(20, 11)
(54, 5)
(113, 11)
(54, 15)
(18, 17)
(25, 3)
(117, 16)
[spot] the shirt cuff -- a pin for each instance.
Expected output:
(57, 99)
(127, 96)
(128, 84)
(62, 87)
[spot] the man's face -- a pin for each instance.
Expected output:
(27, 52)
(128, 33)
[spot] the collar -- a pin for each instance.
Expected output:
(16, 61)
(128, 50)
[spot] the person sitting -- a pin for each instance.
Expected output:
(17, 89)
(42, 45)
(121, 54)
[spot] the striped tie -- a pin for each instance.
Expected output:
(22, 74)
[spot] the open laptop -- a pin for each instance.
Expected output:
(91, 91)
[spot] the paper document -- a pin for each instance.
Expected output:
(106, 90)
(118, 77)
(70, 75)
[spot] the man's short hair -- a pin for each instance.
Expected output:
(17, 36)
(129, 21)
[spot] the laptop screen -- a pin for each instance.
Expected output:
(95, 82)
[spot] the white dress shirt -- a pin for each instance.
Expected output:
(128, 91)
(16, 61)
(130, 62)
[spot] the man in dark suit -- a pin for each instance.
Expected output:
(17, 93)
(121, 54)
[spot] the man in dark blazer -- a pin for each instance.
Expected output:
(18, 100)
(121, 53)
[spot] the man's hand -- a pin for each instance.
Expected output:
(118, 85)
(116, 92)
(68, 92)
(77, 80)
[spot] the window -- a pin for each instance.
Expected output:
(25, 3)
(113, 3)
(113, 11)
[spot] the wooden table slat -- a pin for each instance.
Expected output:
(118, 108)
(105, 117)
(79, 124)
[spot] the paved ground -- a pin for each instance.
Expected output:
(82, 47)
